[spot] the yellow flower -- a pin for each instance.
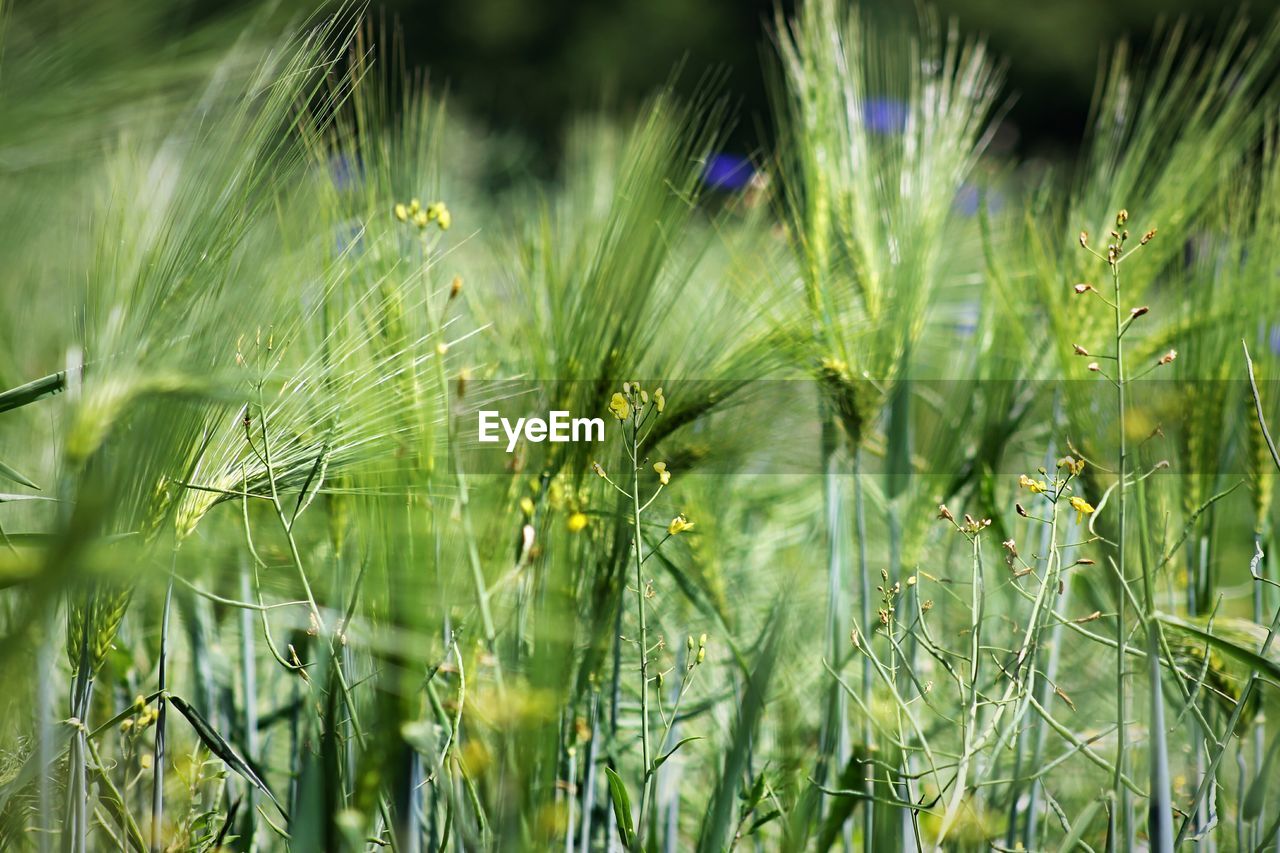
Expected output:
(437, 211)
(664, 476)
(679, 525)
(1034, 486)
(1074, 466)
(526, 505)
(595, 466)
(1082, 508)
(420, 219)
(659, 400)
(414, 206)
(620, 407)
(401, 212)
(576, 522)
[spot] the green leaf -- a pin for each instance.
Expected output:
(30, 392)
(1079, 825)
(219, 747)
(714, 835)
(1256, 798)
(662, 759)
(1232, 648)
(7, 498)
(10, 473)
(621, 808)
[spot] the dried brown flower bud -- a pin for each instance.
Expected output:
(1146, 238)
(1139, 311)
(1122, 217)
(1094, 366)
(1084, 288)
(1168, 357)
(1084, 239)
(945, 513)
(1020, 509)
(1079, 349)
(456, 287)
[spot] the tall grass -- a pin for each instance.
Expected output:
(941, 532)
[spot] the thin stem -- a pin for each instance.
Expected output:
(157, 779)
(1121, 792)
(644, 628)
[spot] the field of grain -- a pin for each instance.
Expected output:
(933, 507)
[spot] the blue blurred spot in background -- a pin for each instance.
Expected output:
(728, 172)
(969, 199)
(884, 115)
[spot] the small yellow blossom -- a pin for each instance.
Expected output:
(664, 476)
(526, 505)
(441, 215)
(401, 212)
(414, 206)
(576, 522)
(1074, 466)
(1034, 486)
(595, 466)
(420, 219)
(679, 525)
(620, 407)
(659, 400)
(1082, 508)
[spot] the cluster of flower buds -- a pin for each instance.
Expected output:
(971, 526)
(144, 716)
(698, 652)
(414, 213)
(633, 398)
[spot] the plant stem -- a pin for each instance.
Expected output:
(969, 726)
(157, 767)
(1121, 792)
(644, 629)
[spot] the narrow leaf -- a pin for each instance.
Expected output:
(1231, 648)
(30, 392)
(621, 808)
(10, 473)
(662, 759)
(219, 747)
(1079, 825)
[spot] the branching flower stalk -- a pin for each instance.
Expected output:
(1123, 320)
(637, 411)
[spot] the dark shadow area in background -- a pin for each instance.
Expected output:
(524, 67)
